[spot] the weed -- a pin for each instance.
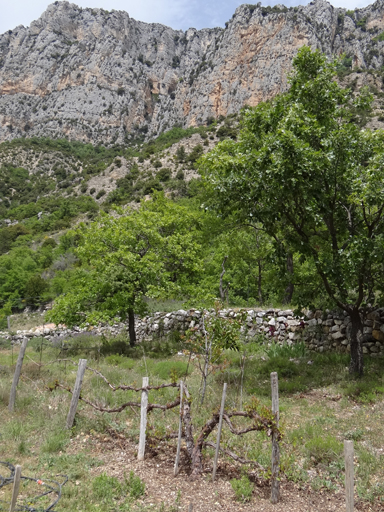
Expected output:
(56, 442)
(354, 435)
(171, 369)
(324, 449)
(243, 489)
(286, 350)
(134, 485)
(106, 487)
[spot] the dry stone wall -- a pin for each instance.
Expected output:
(320, 331)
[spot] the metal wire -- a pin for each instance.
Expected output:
(50, 486)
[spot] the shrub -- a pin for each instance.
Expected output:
(101, 193)
(175, 61)
(195, 154)
(92, 191)
(157, 164)
(243, 489)
(180, 154)
(164, 175)
(151, 185)
(324, 449)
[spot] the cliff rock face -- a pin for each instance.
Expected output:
(103, 77)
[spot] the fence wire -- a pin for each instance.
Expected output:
(50, 487)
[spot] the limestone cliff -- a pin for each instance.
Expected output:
(103, 77)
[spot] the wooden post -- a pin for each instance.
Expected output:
(9, 323)
(143, 419)
(16, 377)
(219, 431)
(275, 484)
(16, 486)
(76, 392)
(176, 470)
(190, 509)
(348, 456)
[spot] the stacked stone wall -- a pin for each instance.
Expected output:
(320, 331)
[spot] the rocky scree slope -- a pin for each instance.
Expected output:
(98, 76)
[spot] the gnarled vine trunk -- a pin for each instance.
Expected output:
(356, 340)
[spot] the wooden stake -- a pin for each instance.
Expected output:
(349, 477)
(9, 323)
(219, 431)
(16, 486)
(190, 509)
(76, 393)
(143, 419)
(176, 470)
(275, 484)
(16, 376)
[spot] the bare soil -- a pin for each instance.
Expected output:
(119, 457)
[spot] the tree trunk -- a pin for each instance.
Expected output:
(289, 289)
(222, 291)
(131, 327)
(197, 455)
(357, 363)
(259, 285)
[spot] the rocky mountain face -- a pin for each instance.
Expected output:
(103, 77)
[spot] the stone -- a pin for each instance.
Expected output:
(367, 330)
(335, 328)
(378, 335)
(337, 335)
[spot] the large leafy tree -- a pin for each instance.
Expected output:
(127, 256)
(304, 168)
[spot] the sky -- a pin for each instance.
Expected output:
(178, 14)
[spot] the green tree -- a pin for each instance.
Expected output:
(126, 257)
(303, 167)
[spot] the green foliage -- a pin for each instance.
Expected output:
(106, 487)
(379, 37)
(140, 253)
(134, 485)
(56, 441)
(174, 370)
(324, 449)
(294, 350)
(300, 165)
(243, 488)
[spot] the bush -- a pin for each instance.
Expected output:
(324, 449)
(243, 489)
(101, 193)
(165, 174)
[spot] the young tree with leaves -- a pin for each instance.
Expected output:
(126, 257)
(303, 167)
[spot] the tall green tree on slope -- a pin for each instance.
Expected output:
(126, 257)
(303, 167)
